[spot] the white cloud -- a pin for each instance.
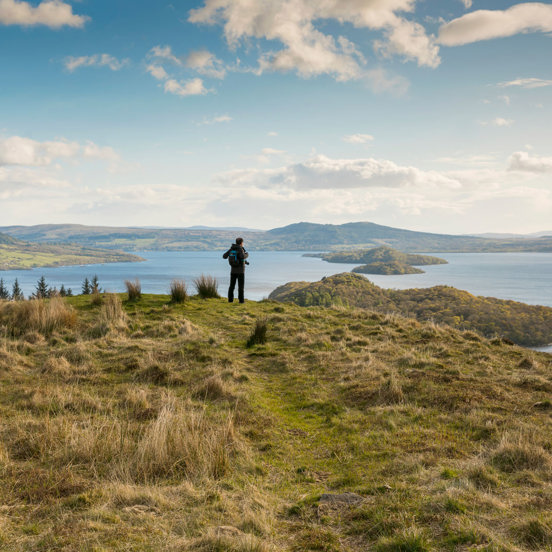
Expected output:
(531, 82)
(217, 119)
(97, 60)
(17, 150)
(157, 72)
(523, 161)
(489, 24)
(506, 99)
(358, 138)
(51, 13)
(193, 87)
(164, 52)
(206, 63)
(498, 121)
(322, 172)
(467, 3)
(272, 133)
(501, 122)
(308, 50)
(272, 151)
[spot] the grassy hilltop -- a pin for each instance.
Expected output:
(151, 426)
(17, 255)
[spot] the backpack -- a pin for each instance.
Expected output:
(233, 258)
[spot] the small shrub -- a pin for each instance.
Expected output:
(207, 287)
(134, 289)
(179, 292)
(258, 335)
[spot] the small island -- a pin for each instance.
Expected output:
(20, 255)
(383, 260)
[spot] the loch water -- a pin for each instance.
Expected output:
(525, 277)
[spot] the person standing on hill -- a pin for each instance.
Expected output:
(237, 256)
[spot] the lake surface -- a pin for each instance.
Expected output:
(525, 277)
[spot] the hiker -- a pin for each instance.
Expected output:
(236, 256)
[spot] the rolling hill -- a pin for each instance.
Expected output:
(295, 237)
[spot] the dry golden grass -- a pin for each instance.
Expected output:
(159, 436)
(38, 315)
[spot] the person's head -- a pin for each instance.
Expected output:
(239, 241)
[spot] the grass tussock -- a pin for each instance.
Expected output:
(390, 391)
(96, 298)
(112, 316)
(213, 388)
(37, 315)
(134, 289)
(535, 533)
(207, 287)
(178, 291)
(258, 335)
(519, 453)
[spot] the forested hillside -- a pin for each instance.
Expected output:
(523, 324)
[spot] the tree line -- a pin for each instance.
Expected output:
(44, 291)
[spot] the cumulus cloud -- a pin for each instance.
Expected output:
(307, 49)
(97, 60)
(164, 52)
(525, 162)
(206, 63)
(322, 172)
(531, 82)
(358, 138)
(193, 87)
(488, 24)
(51, 13)
(17, 150)
(157, 72)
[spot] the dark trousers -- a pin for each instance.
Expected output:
(240, 278)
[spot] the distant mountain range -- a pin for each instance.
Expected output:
(303, 236)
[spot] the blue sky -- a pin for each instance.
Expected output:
(430, 115)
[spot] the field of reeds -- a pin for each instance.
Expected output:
(156, 425)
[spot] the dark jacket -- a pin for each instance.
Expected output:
(242, 255)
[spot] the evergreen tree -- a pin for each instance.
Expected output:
(62, 291)
(17, 294)
(86, 289)
(42, 290)
(69, 292)
(4, 293)
(95, 285)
